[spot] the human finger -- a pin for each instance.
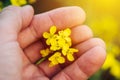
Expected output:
(61, 17)
(16, 17)
(85, 66)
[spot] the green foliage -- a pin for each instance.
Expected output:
(97, 76)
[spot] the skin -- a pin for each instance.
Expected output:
(20, 40)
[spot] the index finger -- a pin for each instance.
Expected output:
(61, 17)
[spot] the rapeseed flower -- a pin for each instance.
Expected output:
(18, 2)
(50, 36)
(56, 58)
(69, 53)
(55, 43)
(64, 34)
(60, 40)
(45, 52)
(59, 44)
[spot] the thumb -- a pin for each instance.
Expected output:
(13, 19)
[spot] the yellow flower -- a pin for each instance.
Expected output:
(18, 2)
(112, 62)
(54, 43)
(56, 58)
(69, 53)
(45, 52)
(64, 34)
(61, 40)
(49, 36)
(59, 43)
(64, 42)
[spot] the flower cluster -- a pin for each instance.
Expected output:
(59, 46)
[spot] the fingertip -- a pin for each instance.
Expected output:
(27, 15)
(92, 60)
(28, 7)
(99, 41)
(78, 12)
(81, 12)
(18, 17)
(99, 54)
(68, 16)
(81, 33)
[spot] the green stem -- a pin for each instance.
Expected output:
(41, 60)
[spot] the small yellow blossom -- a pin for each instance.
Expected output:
(64, 34)
(49, 36)
(69, 52)
(54, 43)
(18, 2)
(60, 40)
(56, 58)
(63, 42)
(45, 52)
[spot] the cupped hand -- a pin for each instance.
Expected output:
(21, 40)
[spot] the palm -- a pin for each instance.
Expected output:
(43, 72)
(31, 71)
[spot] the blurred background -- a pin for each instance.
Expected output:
(103, 16)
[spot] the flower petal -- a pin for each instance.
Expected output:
(46, 35)
(70, 57)
(60, 33)
(67, 32)
(53, 63)
(53, 30)
(61, 42)
(45, 52)
(65, 49)
(48, 41)
(73, 50)
(61, 60)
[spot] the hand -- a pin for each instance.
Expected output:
(20, 40)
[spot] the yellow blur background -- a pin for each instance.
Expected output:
(103, 16)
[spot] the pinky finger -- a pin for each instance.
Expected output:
(85, 66)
